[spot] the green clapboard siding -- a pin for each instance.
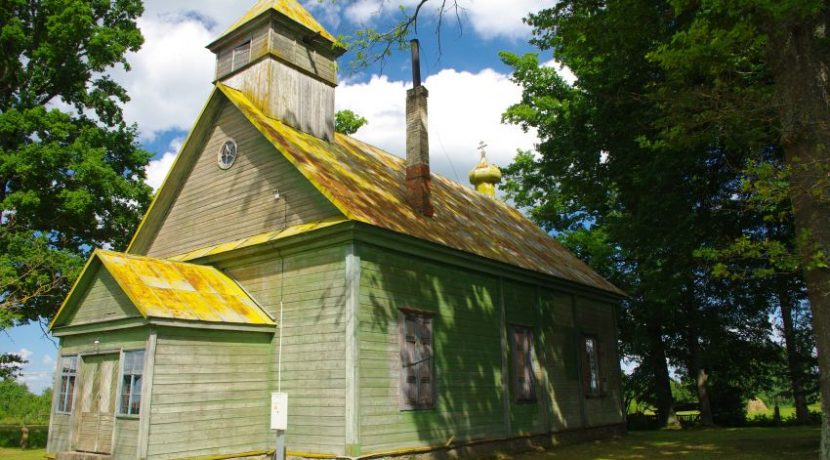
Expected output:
(126, 430)
(468, 357)
(313, 294)
(216, 206)
(103, 301)
(466, 343)
(597, 318)
(210, 393)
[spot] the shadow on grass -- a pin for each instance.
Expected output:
(725, 443)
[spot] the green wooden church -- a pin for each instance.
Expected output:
(402, 313)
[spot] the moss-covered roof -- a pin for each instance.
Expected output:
(289, 8)
(172, 290)
(368, 185)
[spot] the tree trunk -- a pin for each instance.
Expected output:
(698, 374)
(665, 401)
(801, 66)
(794, 358)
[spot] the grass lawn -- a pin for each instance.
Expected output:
(20, 454)
(721, 443)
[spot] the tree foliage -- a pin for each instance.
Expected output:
(348, 122)
(645, 202)
(71, 174)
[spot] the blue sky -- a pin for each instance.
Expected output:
(469, 90)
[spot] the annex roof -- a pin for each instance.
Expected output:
(368, 185)
(173, 290)
(289, 8)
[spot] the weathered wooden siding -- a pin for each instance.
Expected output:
(557, 343)
(286, 47)
(295, 98)
(521, 305)
(598, 319)
(126, 436)
(216, 206)
(470, 399)
(466, 343)
(104, 301)
(210, 393)
(313, 373)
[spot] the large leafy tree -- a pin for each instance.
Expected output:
(735, 69)
(71, 174)
(605, 164)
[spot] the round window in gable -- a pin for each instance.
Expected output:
(227, 154)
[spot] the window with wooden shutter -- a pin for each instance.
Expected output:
(591, 366)
(524, 380)
(417, 381)
(241, 55)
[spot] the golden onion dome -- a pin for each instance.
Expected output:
(485, 176)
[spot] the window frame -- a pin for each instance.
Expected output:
(405, 402)
(236, 52)
(518, 395)
(586, 363)
(67, 397)
(123, 372)
(220, 161)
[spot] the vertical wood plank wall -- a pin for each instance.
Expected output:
(126, 430)
(216, 206)
(313, 372)
(210, 393)
(469, 397)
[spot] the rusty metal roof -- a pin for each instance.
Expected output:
(289, 8)
(176, 290)
(368, 185)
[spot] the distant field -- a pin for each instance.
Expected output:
(19, 454)
(786, 411)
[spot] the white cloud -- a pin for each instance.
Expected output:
(171, 74)
(362, 11)
(47, 360)
(494, 18)
(24, 354)
(464, 108)
(157, 169)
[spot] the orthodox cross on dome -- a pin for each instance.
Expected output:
(481, 147)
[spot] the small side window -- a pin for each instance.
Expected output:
(133, 368)
(417, 383)
(241, 55)
(68, 373)
(591, 366)
(524, 380)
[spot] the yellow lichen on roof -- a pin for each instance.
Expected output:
(259, 239)
(290, 8)
(175, 290)
(368, 185)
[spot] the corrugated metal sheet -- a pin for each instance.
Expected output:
(290, 8)
(182, 291)
(258, 239)
(368, 185)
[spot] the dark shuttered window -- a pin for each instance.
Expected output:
(417, 382)
(524, 381)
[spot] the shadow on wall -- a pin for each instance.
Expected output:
(468, 358)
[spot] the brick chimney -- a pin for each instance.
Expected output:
(417, 141)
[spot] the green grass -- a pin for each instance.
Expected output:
(20, 454)
(786, 411)
(722, 443)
